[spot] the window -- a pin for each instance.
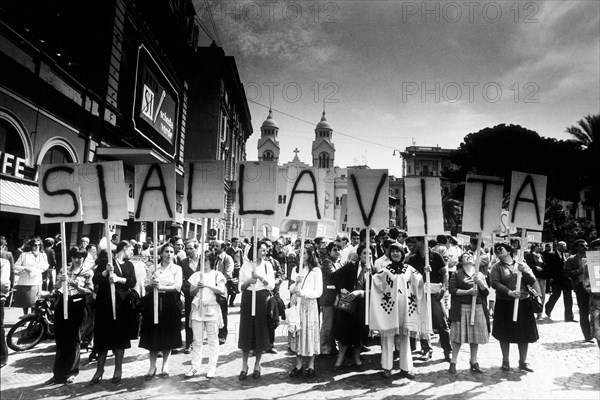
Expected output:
(10, 140)
(324, 161)
(282, 199)
(425, 170)
(268, 156)
(57, 155)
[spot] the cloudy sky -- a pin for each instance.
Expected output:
(393, 72)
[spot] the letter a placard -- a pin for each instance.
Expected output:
(527, 201)
(257, 189)
(306, 195)
(424, 206)
(368, 198)
(204, 190)
(155, 192)
(103, 191)
(483, 203)
(59, 193)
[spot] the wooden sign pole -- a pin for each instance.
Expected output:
(519, 275)
(367, 276)
(63, 253)
(154, 289)
(113, 298)
(255, 260)
(428, 283)
(477, 262)
(202, 244)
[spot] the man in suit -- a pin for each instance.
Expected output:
(189, 265)
(555, 262)
(224, 264)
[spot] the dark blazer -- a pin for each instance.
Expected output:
(186, 272)
(328, 268)
(125, 270)
(555, 266)
(345, 277)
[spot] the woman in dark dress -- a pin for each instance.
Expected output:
(110, 333)
(350, 329)
(165, 336)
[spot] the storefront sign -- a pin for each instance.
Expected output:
(15, 166)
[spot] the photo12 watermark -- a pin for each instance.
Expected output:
(291, 92)
(287, 11)
(454, 92)
(470, 11)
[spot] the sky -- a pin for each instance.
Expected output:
(391, 74)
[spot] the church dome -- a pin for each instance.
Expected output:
(323, 124)
(270, 122)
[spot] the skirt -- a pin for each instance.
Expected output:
(26, 296)
(350, 328)
(462, 331)
(166, 335)
(110, 333)
(254, 331)
(307, 341)
(524, 330)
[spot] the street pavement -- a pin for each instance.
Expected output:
(565, 368)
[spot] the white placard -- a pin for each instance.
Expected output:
(204, 191)
(155, 198)
(104, 192)
(368, 198)
(483, 203)
(593, 264)
(534, 237)
(59, 193)
(424, 206)
(257, 189)
(306, 195)
(527, 201)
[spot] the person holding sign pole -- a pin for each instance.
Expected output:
(350, 329)
(503, 279)
(30, 265)
(166, 335)
(328, 267)
(308, 287)
(205, 315)
(439, 284)
(68, 336)
(254, 329)
(575, 267)
(110, 333)
(461, 331)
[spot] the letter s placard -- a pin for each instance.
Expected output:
(59, 193)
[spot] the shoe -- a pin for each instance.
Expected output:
(222, 341)
(159, 354)
(505, 366)
(242, 376)
(310, 373)
(176, 351)
(296, 372)
(256, 373)
(70, 380)
(427, 355)
(93, 357)
(452, 369)
(358, 367)
(149, 375)
(272, 350)
(187, 350)
(387, 373)
(475, 368)
(51, 381)
(447, 357)
(406, 374)
(96, 380)
(590, 340)
(336, 367)
(116, 379)
(211, 374)
(571, 320)
(523, 366)
(364, 349)
(165, 374)
(192, 372)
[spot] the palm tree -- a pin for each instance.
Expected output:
(587, 135)
(452, 213)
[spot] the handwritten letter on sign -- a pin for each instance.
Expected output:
(204, 190)
(368, 198)
(527, 201)
(306, 195)
(155, 192)
(59, 193)
(424, 206)
(257, 189)
(103, 192)
(483, 203)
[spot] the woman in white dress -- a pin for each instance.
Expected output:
(205, 315)
(30, 265)
(307, 287)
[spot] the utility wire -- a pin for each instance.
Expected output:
(313, 124)
(212, 22)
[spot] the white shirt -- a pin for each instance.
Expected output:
(38, 264)
(264, 266)
(311, 286)
(380, 263)
(168, 276)
(345, 253)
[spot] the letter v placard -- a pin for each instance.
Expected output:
(368, 198)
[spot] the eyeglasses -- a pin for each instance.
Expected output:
(335, 249)
(36, 245)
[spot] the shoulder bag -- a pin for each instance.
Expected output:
(343, 303)
(535, 300)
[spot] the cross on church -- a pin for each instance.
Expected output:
(296, 151)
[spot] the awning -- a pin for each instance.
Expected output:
(20, 198)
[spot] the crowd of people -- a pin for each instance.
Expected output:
(343, 293)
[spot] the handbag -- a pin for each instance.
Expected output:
(272, 311)
(135, 301)
(343, 303)
(292, 318)
(535, 300)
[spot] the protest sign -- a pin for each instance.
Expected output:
(103, 192)
(527, 200)
(257, 189)
(593, 264)
(59, 193)
(204, 191)
(368, 198)
(155, 192)
(424, 206)
(306, 195)
(483, 203)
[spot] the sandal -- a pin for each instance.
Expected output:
(243, 375)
